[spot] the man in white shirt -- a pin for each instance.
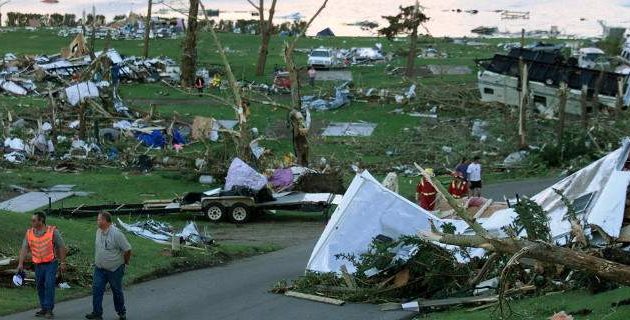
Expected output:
(474, 176)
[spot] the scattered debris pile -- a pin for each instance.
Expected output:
(164, 233)
(405, 255)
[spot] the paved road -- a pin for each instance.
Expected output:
(240, 290)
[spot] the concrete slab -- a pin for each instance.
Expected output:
(32, 201)
(349, 129)
(333, 75)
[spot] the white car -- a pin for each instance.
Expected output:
(322, 58)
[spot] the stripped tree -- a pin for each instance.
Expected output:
(189, 54)
(266, 29)
(407, 21)
(242, 138)
(298, 121)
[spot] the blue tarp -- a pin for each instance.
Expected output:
(154, 140)
(178, 138)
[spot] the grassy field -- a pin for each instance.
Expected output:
(398, 139)
(405, 138)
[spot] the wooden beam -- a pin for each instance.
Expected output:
(483, 208)
(347, 277)
(312, 297)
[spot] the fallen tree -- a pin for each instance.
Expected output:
(540, 250)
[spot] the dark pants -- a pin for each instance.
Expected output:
(45, 278)
(311, 81)
(101, 278)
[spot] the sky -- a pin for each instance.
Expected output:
(577, 17)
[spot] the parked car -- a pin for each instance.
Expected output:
(322, 58)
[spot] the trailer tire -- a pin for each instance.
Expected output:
(240, 213)
(215, 211)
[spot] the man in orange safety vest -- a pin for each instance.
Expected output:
(48, 253)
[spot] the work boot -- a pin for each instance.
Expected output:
(49, 315)
(94, 316)
(122, 316)
(40, 313)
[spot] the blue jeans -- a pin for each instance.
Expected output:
(45, 280)
(101, 278)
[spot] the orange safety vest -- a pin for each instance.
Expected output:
(42, 248)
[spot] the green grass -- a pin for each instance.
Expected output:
(544, 306)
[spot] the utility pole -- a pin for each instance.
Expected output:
(147, 30)
(522, 98)
(2, 3)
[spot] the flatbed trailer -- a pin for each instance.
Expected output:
(237, 209)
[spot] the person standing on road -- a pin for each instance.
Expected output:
(474, 176)
(311, 76)
(47, 251)
(462, 168)
(461, 171)
(112, 253)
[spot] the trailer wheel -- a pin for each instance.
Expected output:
(215, 212)
(239, 213)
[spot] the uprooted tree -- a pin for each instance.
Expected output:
(299, 125)
(266, 29)
(406, 22)
(533, 246)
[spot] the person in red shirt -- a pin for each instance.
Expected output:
(459, 186)
(426, 194)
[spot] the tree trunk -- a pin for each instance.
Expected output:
(189, 54)
(562, 105)
(522, 108)
(544, 252)
(413, 40)
(411, 56)
(299, 130)
(93, 36)
(147, 30)
(264, 49)
(583, 102)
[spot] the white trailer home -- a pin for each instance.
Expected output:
(499, 81)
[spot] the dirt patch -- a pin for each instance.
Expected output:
(6, 194)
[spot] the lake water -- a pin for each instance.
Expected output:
(578, 17)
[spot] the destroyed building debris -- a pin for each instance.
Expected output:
(349, 262)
